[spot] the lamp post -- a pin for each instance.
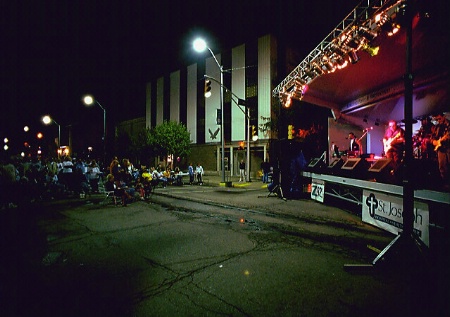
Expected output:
(89, 100)
(200, 46)
(47, 120)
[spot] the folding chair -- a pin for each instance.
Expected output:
(110, 197)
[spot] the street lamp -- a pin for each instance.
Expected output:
(47, 120)
(200, 46)
(89, 100)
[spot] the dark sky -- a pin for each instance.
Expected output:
(53, 52)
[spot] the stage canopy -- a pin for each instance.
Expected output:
(358, 69)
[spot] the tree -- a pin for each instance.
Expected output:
(171, 138)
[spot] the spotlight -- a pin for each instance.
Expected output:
(338, 50)
(341, 62)
(354, 58)
(328, 65)
(368, 34)
(391, 28)
(319, 71)
(371, 50)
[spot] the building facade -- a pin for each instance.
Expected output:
(249, 73)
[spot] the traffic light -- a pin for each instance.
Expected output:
(241, 145)
(291, 132)
(254, 133)
(207, 88)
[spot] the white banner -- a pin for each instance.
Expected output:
(317, 190)
(386, 212)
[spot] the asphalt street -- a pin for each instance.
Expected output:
(205, 251)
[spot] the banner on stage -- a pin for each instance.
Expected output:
(386, 212)
(317, 190)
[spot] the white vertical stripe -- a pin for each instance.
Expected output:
(264, 76)
(148, 105)
(175, 96)
(238, 88)
(212, 103)
(192, 83)
(160, 100)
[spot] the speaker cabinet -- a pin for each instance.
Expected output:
(315, 164)
(355, 167)
(379, 165)
(336, 163)
(351, 163)
(380, 171)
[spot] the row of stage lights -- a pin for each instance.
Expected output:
(344, 48)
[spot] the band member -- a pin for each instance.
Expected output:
(423, 139)
(354, 144)
(394, 144)
(441, 142)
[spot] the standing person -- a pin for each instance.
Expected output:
(191, 174)
(114, 167)
(354, 144)
(199, 172)
(241, 171)
(441, 142)
(393, 143)
(93, 174)
(423, 139)
(265, 167)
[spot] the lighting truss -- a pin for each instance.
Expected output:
(355, 32)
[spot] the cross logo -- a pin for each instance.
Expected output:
(372, 204)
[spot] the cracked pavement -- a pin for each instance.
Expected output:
(213, 256)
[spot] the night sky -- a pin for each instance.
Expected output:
(54, 52)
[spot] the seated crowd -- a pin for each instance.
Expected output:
(24, 181)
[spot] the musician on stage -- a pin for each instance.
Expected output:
(394, 145)
(354, 144)
(441, 142)
(423, 139)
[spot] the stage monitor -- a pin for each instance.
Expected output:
(315, 162)
(336, 163)
(351, 163)
(379, 165)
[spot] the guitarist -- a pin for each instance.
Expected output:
(441, 142)
(394, 145)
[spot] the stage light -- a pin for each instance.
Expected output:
(391, 28)
(310, 74)
(395, 27)
(326, 62)
(338, 50)
(341, 62)
(368, 34)
(354, 58)
(287, 100)
(319, 71)
(371, 50)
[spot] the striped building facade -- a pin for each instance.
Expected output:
(249, 74)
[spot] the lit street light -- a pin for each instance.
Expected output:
(200, 46)
(89, 100)
(47, 120)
